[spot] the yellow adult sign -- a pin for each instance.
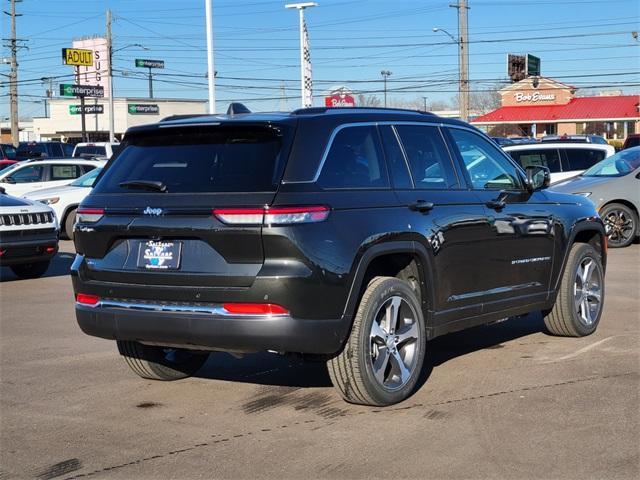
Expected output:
(77, 56)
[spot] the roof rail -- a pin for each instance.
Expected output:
(183, 116)
(317, 110)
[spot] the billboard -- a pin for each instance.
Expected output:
(96, 74)
(339, 97)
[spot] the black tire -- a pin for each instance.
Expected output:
(30, 270)
(352, 371)
(621, 223)
(160, 363)
(69, 222)
(572, 314)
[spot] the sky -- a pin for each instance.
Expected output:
(585, 43)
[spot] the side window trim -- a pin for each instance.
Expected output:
(404, 155)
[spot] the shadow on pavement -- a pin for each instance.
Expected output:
(275, 370)
(59, 266)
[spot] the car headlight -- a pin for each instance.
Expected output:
(49, 201)
(584, 194)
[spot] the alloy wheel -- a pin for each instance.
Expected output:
(587, 291)
(620, 227)
(394, 343)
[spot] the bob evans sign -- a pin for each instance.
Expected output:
(534, 97)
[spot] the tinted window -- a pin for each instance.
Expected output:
(484, 162)
(427, 155)
(9, 151)
(632, 142)
(89, 150)
(217, 159)
(354, 160)
(395, 159)
(65, 172)
(547, 157)
(31, 150)
(28, 174)
(583, 158)
(67, 149)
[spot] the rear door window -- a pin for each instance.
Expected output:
(582, 158)
(354, 160)
(543, 157)
(194, 159)
(428, 157)
(65, 172)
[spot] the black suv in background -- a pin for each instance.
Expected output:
(42, 150)
(353, 235)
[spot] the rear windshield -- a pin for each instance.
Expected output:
(212, 159)
(89, 150)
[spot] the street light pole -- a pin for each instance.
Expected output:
(385, 74)
(463, 80)
(425, 103)
(301, 7)
(112, 134)
(210, 64)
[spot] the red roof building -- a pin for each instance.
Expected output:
(550, 107)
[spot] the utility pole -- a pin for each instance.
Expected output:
(463, 59)
(13, 45)
(110, 79)
(283, 98)
(385, 74)
(208, 7)
(425, 103)
(150, 83)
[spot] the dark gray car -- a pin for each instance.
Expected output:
(614, 186)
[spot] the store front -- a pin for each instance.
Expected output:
(535, 107)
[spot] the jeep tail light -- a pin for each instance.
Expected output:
(89, 215)
(87, 299)
(272, 216)
(254, 309)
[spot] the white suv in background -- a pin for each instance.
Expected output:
(97, 149)
(23, 177)
(564, 160)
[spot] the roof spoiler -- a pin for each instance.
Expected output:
(236, 108)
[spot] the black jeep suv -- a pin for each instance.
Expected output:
(353, 235)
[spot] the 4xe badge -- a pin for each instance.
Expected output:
(152, 211)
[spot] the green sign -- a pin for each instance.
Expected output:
(143, 63)
(88, 109)
(143, 109)
(69, 90)
(533, 66)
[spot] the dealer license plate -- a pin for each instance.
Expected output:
(159, 255)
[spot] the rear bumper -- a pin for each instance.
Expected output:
(31, 250)
(207, 327)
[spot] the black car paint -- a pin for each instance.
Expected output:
(475, 261)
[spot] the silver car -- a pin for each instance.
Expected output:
(614, 186)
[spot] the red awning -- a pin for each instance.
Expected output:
(579, 108)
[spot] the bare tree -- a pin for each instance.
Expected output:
(368, 101)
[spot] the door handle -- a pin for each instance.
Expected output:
(496, 204)
(421, 206)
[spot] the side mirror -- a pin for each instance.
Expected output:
(537, 178)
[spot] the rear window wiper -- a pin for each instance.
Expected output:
(153, 185)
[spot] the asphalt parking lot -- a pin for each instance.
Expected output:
(503, 401)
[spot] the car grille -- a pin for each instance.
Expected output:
(26, 218)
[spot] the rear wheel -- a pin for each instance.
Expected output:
(383, 357)
(69, 223)
(580, 299)
(160, 363)
(621, 223)
(30, 270)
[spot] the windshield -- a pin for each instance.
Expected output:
(89, 150)
(618, 165)
(87, 179)
(9, 151)
(184, 160)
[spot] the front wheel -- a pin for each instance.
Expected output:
(621, 223)
(160, 363)
(382, 360)
(580, 299)
(30, 270)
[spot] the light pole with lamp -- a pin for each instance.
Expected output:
(463, 74)
(385, 74)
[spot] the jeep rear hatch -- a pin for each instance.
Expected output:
(150, 217)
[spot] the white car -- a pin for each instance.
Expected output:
(65, 200)
(23, 177)
(98, 149)
(564, 160)
(28, 236)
